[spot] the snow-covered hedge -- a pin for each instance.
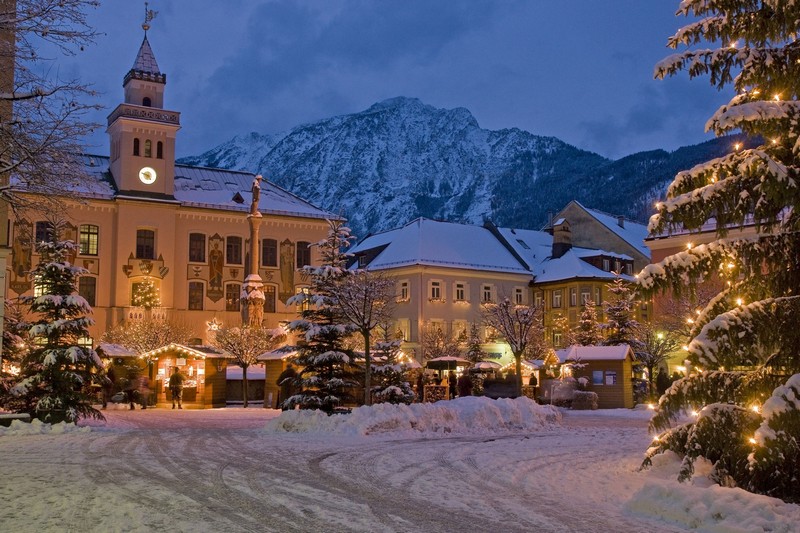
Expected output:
(37, 427)
(470, 414)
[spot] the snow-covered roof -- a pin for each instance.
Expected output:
(198, 352)
(145, 59)
(594, 353)
(535, 248)
(631, 232)
(253, 372)
(209, 188)
(446, 244)
(115, 350)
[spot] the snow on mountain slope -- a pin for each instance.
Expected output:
(401, 159)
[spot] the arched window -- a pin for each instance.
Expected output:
(160, 150)
(148, 148)
(146, 101)
(136, 147)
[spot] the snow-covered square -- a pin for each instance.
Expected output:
(475, 465)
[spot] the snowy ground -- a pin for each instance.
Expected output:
(219, 470)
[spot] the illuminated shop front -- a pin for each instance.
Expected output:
(204, 374)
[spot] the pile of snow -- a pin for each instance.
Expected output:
(37, 427)
(471, 414)
(704, 506)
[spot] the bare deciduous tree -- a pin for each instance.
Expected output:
(147, 334)
(42, 117)
(366, 300)
(245, 344)
(655, 348)
(521, 326)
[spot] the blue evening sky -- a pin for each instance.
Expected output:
(580, 70)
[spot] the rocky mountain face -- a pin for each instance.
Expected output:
(401, 159)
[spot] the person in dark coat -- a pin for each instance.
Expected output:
(286, 382)
(451, 384)
(131, 386)
(464, 385)
(176, 387)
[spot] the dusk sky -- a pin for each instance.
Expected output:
(580, 70)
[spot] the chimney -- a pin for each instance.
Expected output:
(621, 221)
(562, 238)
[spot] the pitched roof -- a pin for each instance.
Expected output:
(145, 59)
(535, 248)
(434, 243)
(633, 233)
(594, 353)
(209, 188)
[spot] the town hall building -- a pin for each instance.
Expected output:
(145, 224)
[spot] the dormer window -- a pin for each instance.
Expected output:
(146, 101)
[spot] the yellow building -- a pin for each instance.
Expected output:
(563, 275)
(146, 225)
(444, 272)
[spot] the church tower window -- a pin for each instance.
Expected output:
(159, 150)
(148, 148)
(136, 147)
(146, 101)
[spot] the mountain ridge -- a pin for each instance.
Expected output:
(401, 158)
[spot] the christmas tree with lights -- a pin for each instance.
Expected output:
(146, 294)
(745, 344)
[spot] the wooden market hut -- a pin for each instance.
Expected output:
(204, 369)
(608, 369)
(274, 363)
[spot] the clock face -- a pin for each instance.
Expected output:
(147, 175)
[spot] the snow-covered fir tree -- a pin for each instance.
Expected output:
(391, 385)
(588, 331)
(621, 325)
(474, 351)
(745, 346)
(56, 373)
(327, 374)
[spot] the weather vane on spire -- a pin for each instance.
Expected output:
(149, 15)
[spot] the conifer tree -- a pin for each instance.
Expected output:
(146, 294)
(474, 351)
(327, 372)
(588, 331)
(745, 342)
(57, 371)
(390, 385)
(621, 326)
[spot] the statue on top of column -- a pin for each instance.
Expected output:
(256, 190)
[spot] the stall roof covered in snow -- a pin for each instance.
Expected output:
(209, 188)
(434, 243)
(594, 353)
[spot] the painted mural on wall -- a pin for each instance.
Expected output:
(22, 250)
(287, 270)
(216, 262)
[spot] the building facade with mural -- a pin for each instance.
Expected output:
(160, 237)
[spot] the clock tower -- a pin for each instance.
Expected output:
(142, 132)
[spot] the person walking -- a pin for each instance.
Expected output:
(176, 387)
(144, 391)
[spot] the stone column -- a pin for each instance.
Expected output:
(252, 296)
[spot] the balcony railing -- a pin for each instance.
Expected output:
(145, 113)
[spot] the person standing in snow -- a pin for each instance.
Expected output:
(144, 391)
(464, 385)
(176, 387)
(451, 384)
